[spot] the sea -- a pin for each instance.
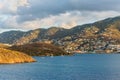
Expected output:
(75, 67)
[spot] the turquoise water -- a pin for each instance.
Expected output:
(77, 67)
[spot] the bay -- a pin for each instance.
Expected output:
(76, 67)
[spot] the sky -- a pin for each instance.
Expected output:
(33, 14)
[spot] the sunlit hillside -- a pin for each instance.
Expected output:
(9, 56)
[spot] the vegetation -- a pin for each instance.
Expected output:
(87, 37)
(39, 49)
(9, 56)
(110, 25)
(11, 36)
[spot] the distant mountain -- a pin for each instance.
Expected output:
(11, 36)
(109, 27)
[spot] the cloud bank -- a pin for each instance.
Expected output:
(32, 14)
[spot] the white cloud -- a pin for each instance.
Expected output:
(32, 14)
(1, 6)
(66, 20)
(68, 25)
(7, 6)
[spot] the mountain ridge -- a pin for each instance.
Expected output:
(55, 33)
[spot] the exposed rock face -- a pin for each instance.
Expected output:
(10, 57)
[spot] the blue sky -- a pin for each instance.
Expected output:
(32, 14)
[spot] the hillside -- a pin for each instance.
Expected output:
(103, 27)
(9, 56)
(87, 37)
(10, 36)
(39, 49)
(108, 28)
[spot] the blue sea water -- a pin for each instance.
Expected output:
(77, 67)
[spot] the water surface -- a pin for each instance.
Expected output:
(77, 67)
